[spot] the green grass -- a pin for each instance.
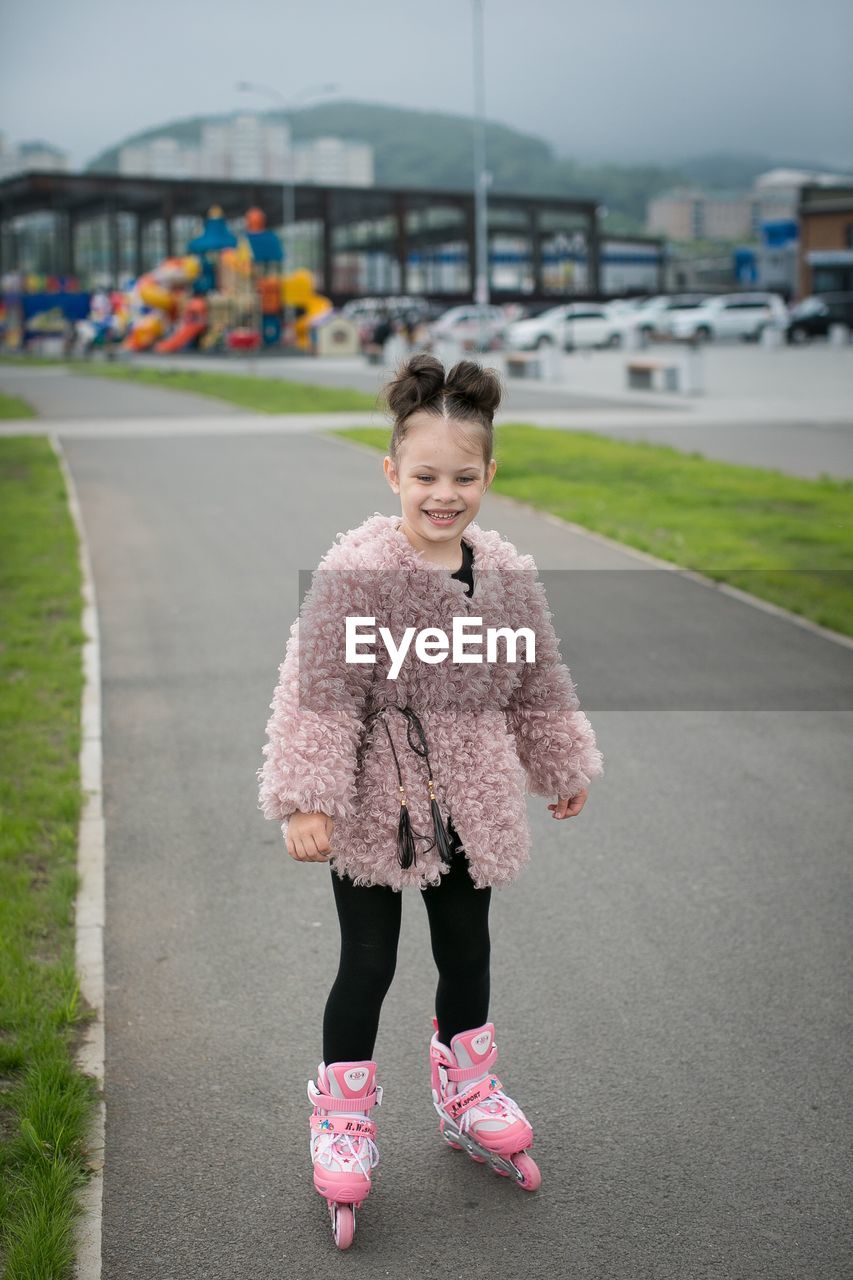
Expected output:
(787, 540)
(45, 1102)
(260, 395)
(15, 407)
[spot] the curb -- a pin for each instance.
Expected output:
(89, 907)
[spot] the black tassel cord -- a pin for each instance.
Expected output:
(406, 834)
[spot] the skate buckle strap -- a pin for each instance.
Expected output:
(349, 1125)
(458, 1074)
(462, 1102)
(326, 1102)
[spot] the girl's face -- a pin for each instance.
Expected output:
(441, 480)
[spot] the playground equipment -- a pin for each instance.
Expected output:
(337, 336)
(229, 291)
(155, 300)
(192, 325)
(297, 290)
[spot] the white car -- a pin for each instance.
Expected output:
(578, 324)
(730, 315)
(651, 319)
(466, 324)
(630, 317)
(626, 306)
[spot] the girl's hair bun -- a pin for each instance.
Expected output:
(468, 393)
(476, 385)
(421, 382)
(417, 384)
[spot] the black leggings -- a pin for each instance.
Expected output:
(370, 918)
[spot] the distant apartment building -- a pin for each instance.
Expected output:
(245, 147)
(248, 147)
(689, 213)
(158, 158)
(30, 156)
(334, 163)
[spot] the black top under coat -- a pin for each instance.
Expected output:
(466, 572)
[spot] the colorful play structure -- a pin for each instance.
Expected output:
(228, 292)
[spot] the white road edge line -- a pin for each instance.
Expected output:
(89, 907)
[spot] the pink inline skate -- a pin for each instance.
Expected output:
(342, 1142)
(475, 1115)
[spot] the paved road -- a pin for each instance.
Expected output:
(55, 394)
(671, 974)
(796, 438)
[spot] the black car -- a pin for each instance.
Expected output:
(812, 317)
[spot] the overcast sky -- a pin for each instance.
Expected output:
(630, 80)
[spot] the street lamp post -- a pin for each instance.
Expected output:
(481, 177)
(288, 189)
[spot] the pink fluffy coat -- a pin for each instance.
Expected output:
(494, 731)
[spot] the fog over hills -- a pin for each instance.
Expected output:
(433, 149)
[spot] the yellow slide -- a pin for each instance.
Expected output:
(297, 290)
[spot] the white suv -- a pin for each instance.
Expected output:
(731, 315)
(470, 324)
(576, 324)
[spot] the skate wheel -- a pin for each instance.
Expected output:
(531, 1177)
(449, 1141)
(343, 1224)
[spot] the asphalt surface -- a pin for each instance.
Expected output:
(671, 973)
(802, 439)
(55, 393)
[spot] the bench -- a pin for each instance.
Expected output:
(642, 374)
(525, 364)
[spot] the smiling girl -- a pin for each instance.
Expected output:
(456, 754)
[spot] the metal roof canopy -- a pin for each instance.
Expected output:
(83, 193)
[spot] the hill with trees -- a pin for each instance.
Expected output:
(434, 149)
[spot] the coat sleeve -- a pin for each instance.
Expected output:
(314, 731)
(554, 739)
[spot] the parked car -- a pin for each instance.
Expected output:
(470, 324)
(730, 315)
(626, 306)
(653, 317)
(633, 316)
(812, 317)
(576, 324)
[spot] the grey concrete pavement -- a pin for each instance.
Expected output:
(804, 448)
(355, 373)
(671, 973)
(787, 410)
(800, 449)
(237, 424)
(739, 382)
(57, 394)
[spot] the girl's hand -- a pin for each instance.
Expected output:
(566, 808)
(309, 836)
